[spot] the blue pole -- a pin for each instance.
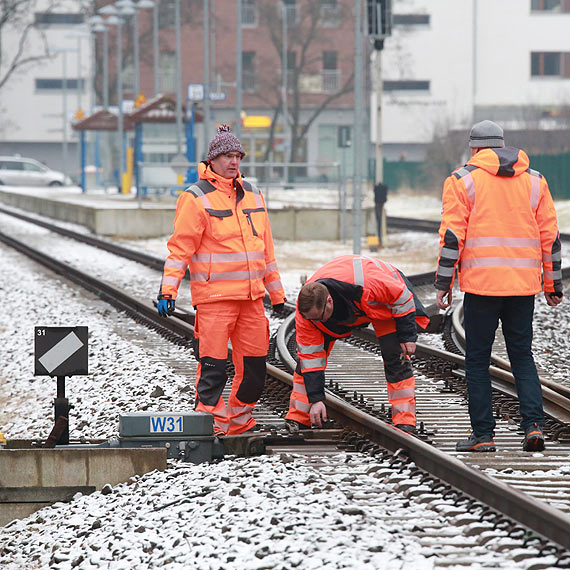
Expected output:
(83, 152)
(192, 172)
(97, 159)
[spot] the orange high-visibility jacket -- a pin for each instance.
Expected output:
(222, 233)
(498, 226)
(368, 290)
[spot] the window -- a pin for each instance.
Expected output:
(406, 85)
(330, 71)
(31, 167)
(411, 19)
(248, 78)
(166, 14)
(11, 165)
(291, 66)
(550, 6)
(249, 13)
(58, 84)
(167, 72)
(54, 18)
(550, 64)
(329, 13)
(291, 11)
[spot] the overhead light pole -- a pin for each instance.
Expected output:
(206, 75)
(239, 72)
(155, 46)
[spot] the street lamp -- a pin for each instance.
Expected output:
(97, 24)
(139, 5)
(116, 19)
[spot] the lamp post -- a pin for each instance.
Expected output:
(239, 72)
(284, 71)
(141, 4)
(117, 20)
(155, 45)
(206, 75)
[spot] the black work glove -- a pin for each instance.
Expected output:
(277, 309)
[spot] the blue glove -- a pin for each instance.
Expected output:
(165, 307)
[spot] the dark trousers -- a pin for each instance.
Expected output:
(481, 318)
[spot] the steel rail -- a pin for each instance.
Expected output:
(526, 510)
(541, 518)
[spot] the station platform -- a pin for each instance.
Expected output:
(125, 216)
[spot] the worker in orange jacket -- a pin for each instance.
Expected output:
(222, 234)
(499, 229)
(345, 294)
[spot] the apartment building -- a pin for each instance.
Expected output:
(446, 65)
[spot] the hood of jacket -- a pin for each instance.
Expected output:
(507, 162)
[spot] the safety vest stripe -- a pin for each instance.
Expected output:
(443, 271)
(403, 407)
(228, 257)
(241, 420)
(227, 276)
(554, 275)
(271, 266)
(174, 281)
(175, 263)
(500, 262)
(449, 253)
(274, 285)
(299, 388)
(310, 349)
(501, 241)
(405, 308)
(199, 194)
(398, 394)
(534, 188)
(465, 175)
(310, 363)
(358, 271)
(301, 406)
(222, 425)
(556, 256)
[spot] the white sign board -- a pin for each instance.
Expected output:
(195, 91)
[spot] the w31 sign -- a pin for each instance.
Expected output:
(60, 351)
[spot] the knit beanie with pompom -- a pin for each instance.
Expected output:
(223, 142)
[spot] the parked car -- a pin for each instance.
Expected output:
(20, 171)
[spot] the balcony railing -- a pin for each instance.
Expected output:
(331, 80)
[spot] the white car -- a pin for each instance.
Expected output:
(20, 171)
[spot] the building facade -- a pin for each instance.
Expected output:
(446, 65)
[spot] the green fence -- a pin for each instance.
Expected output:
(419, 175)
(556, 169)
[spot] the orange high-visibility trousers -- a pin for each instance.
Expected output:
(399, 377)
(245, 324)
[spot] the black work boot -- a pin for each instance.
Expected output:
(533, 438)
(474, 443)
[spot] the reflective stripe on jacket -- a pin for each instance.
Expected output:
(370, 291)
(499, 227)
(222, 234)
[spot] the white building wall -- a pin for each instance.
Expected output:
(29, 115)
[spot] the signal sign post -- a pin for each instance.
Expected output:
(60, 352)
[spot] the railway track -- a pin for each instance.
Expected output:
(440, 380)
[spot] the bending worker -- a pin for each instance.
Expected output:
(222, 233)
(499, 228)
(347, 293)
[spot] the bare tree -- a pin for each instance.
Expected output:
(17, 54)
(307, 39)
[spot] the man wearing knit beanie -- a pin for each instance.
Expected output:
(499, 231)
(222, 234)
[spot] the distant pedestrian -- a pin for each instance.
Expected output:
(346, 294)
(380, 198)
(499, 230)
(222, 233)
